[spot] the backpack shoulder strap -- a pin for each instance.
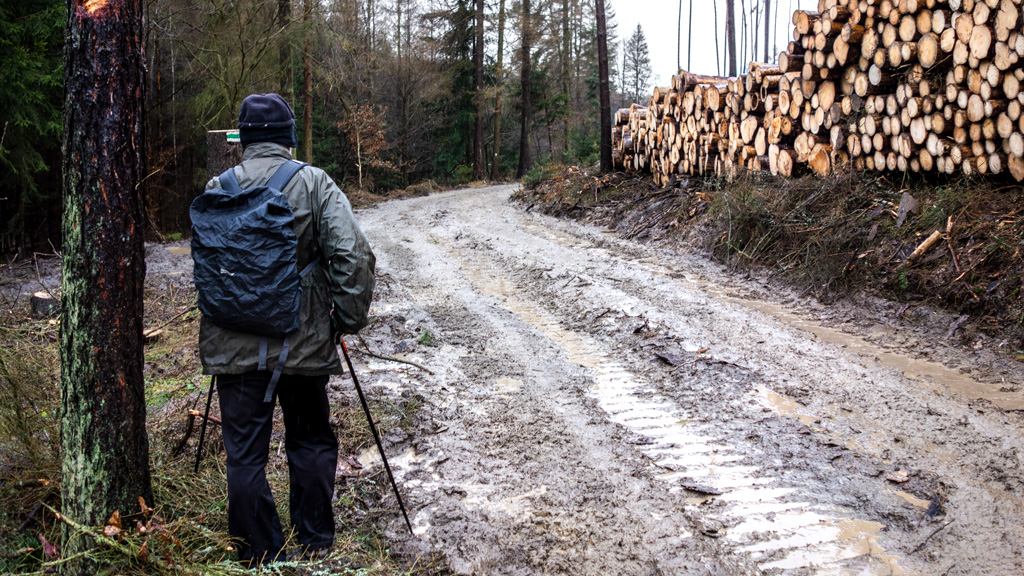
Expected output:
(284, 174)
(229, 182)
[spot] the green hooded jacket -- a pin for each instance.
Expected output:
(326, 230)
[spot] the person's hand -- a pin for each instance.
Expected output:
(336, 328)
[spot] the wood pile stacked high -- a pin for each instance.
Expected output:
(883, 85)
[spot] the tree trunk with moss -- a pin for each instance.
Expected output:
(105, 449)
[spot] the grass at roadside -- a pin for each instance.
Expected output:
(186, 531)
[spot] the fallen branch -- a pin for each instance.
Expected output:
(390, 358)
(18, 553)
(213, 419)
(599, 316)
(31, 515)
(97, 534)
(39, 278)
(393, 359)
(189, 427)
(934, 532)
(32, 483)
(151, 331)
(949, 242)
(924, 246)
(956, 324)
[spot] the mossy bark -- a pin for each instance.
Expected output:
(105, 449)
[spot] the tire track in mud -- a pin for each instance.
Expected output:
(768, 522)
(527, 478)
(558, 459)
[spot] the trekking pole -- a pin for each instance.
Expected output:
(376, 436)
(206, 418)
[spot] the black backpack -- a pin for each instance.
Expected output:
(245, 256)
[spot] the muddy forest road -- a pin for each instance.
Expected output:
(601, 407)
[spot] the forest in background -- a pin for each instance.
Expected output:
(392, 94)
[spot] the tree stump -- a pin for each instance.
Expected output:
(44, 306)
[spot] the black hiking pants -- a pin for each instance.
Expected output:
(312, 450)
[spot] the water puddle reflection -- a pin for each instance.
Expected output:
(913, 500)
(784, 405)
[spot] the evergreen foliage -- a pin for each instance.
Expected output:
(31, 69)
(410, 60)
(637, 66)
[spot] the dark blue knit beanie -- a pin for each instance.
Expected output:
(266, 118)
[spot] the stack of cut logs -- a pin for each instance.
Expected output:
(884, 85)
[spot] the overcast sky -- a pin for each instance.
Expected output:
(659, 20)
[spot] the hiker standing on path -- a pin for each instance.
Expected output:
(251, 369)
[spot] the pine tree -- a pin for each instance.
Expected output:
(30, 115)
(105, 450)
(637, 64)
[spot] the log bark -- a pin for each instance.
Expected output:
(791, 62)
(901, 85)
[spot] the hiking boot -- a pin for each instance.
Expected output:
(309, 554)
